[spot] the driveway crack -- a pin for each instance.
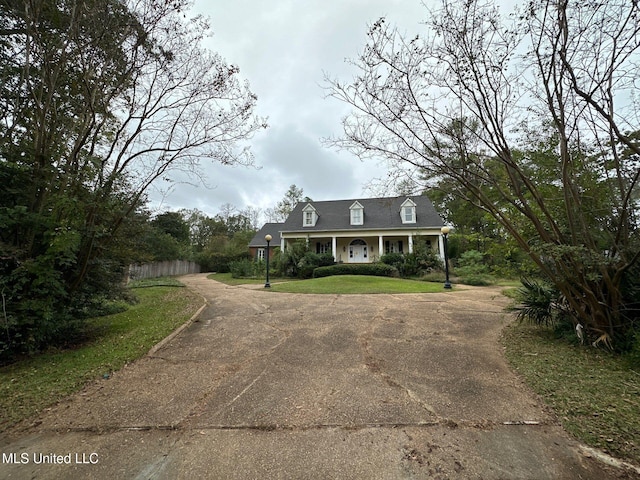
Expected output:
(245, 389)
(374, 365)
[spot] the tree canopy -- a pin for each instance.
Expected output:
(99, 99)
(531, 117)
(284, 207)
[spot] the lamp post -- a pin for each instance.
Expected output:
(445, 231)
(268, 238)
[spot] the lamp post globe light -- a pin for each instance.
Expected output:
(268, 238)
(445, 232)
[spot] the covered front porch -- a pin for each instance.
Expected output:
(369, 247)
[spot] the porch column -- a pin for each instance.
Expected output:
(281, 244)
(380, 246)
(334, 248)
(441, 247)
(410, 243)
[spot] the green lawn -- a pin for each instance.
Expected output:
(32, 384)
(337, 284)
(595, 394)
(350, 284)
(228, 279)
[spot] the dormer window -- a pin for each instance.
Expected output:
(408, 211)
(309, 216)
(357, 213)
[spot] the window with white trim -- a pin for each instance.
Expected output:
(408, 211)
(409, 214)
(323, 247)
(356, 213)
(393, 246)
(309, 216)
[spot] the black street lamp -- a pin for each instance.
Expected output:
(268, 238)
(445, 231)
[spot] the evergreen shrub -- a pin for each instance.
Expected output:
(374, 269)
(246, 268)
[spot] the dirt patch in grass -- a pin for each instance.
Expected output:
(595, 394)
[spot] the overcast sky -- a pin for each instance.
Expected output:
(282, 48)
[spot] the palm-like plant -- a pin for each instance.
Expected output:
(539, 303)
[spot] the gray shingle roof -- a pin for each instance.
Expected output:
(272, 229)
(379, 213)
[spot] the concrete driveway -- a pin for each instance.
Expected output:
(270, 385)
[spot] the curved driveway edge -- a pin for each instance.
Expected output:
(273, 385)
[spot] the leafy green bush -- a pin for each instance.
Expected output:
(471, 264)
(292, 256)
(299, 261)
(241, 268)
(310, 261)
(375, 269)
(633, 354)
(393, 258)
(630, 289)
(325, 260)
(246, 268)
(276, 264)
(423, 260)
(476, 280)
(219, 262)
(35, 311)
(260, 268)
(427, 259)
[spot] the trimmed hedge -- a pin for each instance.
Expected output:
(374, 269)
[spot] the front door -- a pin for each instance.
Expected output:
(358, 252)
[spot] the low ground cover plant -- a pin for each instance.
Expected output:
(593, 386)
(595, 393)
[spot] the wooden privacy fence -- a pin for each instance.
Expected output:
(162, 269)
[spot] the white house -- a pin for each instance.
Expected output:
(360, 231)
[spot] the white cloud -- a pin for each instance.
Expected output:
(283, 47)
